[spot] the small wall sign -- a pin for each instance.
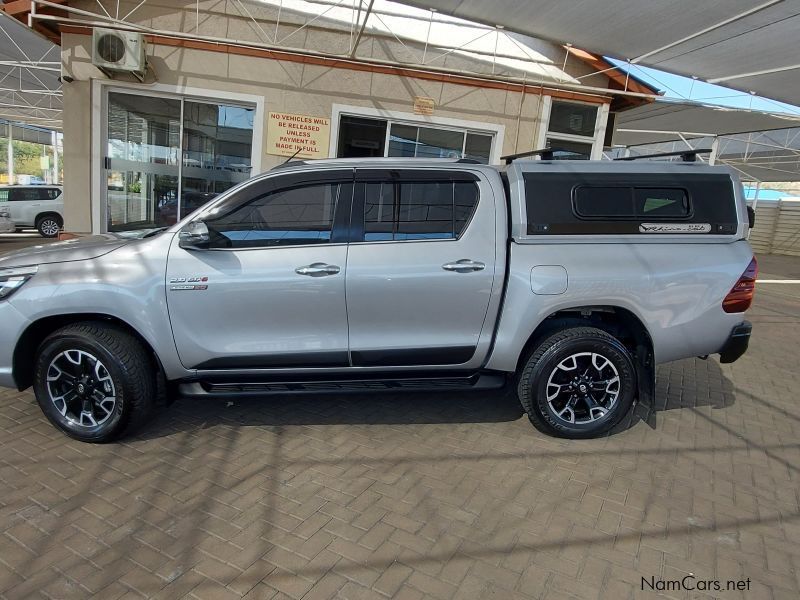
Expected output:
(423, 105)
(287, 133)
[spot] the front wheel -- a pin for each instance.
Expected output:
(94, 381)
(577, 383)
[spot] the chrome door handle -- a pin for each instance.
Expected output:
(317, 269)
(464, 265)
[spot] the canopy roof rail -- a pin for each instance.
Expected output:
(686, 155)
(542, 153)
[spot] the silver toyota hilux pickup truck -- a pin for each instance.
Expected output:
(570, 280)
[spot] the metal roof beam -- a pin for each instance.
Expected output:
(755, 73)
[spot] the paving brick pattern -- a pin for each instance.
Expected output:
(421, 496)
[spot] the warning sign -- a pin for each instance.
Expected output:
(423, 105)
(288, 133)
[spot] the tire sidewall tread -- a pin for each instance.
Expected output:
(529, 378)
(129, 364)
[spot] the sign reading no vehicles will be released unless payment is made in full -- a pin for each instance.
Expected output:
(287, 133)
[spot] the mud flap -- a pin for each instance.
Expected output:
(645, 401)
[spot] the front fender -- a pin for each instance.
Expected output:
(127, 284)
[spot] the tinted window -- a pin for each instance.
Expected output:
(284, 217)
(661, 202)
(3, 195)
(478, 147)
(27, 194)
(379, 219)
(418, 210)
(567, 150)
(361, 137)
(51, 193)
(604, 202)
(629, 202)
(574, 119)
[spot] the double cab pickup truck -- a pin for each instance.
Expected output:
(568, 280)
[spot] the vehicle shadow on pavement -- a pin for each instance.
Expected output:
(385, 408)
(684, 384)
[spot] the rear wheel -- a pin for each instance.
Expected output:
(578, 383)
(94, 381)
(48, 225)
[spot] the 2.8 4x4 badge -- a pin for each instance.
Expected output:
(188, 284)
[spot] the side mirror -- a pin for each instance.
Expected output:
(751, 217)
(194, 236)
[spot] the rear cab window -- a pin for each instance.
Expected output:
(629, 202)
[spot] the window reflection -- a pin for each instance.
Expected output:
(362, 136)
(149, 161)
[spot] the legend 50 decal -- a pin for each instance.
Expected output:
(674, 227)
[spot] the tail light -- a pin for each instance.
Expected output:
(741, 295)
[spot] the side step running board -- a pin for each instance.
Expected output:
(481, 381)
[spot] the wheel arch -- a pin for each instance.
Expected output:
(620, 322)
(49, 213)
(617, 321)
(30, 340)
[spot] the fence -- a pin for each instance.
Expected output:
(777, 229)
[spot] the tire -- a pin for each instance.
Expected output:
(48, 225)
(581, 408)
(125, 380)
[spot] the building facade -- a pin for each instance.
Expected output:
(219, 104)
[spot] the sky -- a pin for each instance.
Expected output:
(685, 88)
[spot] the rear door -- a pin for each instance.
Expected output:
(23, 202)
(421, 268)
(50, 200)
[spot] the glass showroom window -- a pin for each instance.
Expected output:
(572, 128)
(361, 136)
(167, 156)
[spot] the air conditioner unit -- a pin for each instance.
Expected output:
(119, 51)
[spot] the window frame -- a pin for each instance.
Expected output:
(252, 190)
(496, 132)
(595, 141)
(99, 124)
(632, 190)
(398, 176)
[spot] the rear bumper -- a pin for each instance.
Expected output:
(737, 343)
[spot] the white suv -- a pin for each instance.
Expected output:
(39, 206)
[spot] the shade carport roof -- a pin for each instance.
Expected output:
(746, 45)
(760, 146)
(30, 65)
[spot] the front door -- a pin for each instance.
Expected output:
(421, 273)
(270, 291)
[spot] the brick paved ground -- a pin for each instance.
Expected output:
(448, 496)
